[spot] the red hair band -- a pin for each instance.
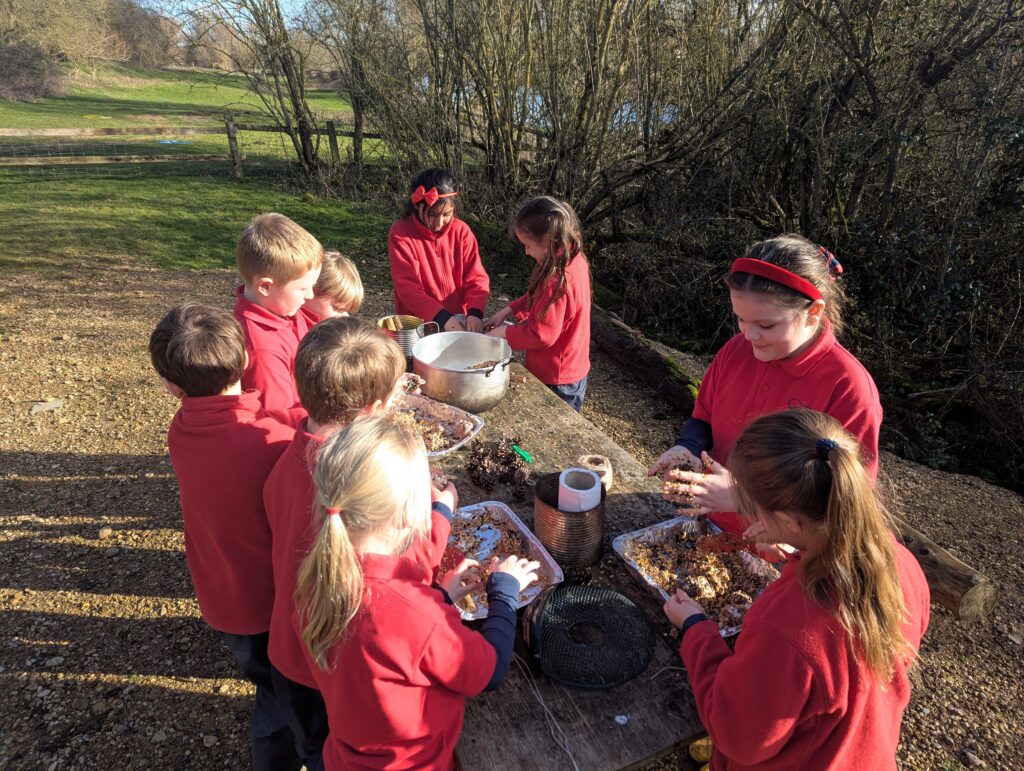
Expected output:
(333, 511)
(429, 197)
(834, 268)
(778, 275)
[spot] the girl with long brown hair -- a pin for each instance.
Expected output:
(818, 678)
(555, 310)
(387, 648)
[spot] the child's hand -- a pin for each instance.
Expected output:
(680, 606)
(520, 568)
(766, 548)
(473, 324)
(713, 490)
(497, 319)
(454, 325)
(673, 456)
(448, 496)
(465, 579)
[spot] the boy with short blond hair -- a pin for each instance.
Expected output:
(345, 367)
(339, 290)
(279, 262)
(223, 446)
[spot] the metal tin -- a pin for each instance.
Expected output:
(444, 360)
(434, 409)
(410, 329)
(499, 512)
(663, 531)
(573, 538)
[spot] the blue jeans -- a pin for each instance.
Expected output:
(271, 740)
(572, 393)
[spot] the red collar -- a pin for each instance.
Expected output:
(214, 410)
(798, 365)
(425, 232)
(257, 313)
(395, 567)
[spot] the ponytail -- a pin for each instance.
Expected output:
(370, 477)
(554, 222)
(804, 462)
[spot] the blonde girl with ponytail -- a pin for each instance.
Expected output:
(387, 648)
(818, 678)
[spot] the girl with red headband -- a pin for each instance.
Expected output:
(788, 305)
(435, 260)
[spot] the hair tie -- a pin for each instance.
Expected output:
(825, 446)
(333, 511)
(777, 274)
(834, 268)
(429, 197)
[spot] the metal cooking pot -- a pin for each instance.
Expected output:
(444, 361)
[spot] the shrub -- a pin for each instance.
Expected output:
(27, 73)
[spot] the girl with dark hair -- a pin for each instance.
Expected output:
(788, 305)
(818, 678)
(556, 307)
(434, 257)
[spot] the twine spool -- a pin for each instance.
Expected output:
(601, 466)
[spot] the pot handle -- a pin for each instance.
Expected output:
(503, 364)
(421, 334)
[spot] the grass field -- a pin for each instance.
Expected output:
(174, 215)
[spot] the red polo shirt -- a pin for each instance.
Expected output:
(288, 496)
(794, 694)
(824, 377)
(222, 449)
(436, 271)
(557, 343)
(271, 342)
(397, 683)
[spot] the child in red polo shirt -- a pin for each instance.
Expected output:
(818, 678)
(344, 367)
(279, 262)
(387, 648)
(788, 304)
(222, 446)
(435, 260)
(556, 306)
(338, 290)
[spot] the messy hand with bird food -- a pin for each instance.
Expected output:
(704, 491)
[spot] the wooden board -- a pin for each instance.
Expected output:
(509, 729)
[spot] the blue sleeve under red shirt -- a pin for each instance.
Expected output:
(271, 342)
(793, 694)
(556, 341)
(222, 449)
(396, 690)
(436, 275)
(824, 377)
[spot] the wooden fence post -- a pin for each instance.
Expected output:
(332, 139)
(236, 156)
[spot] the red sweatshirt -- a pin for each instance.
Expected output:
(222, 449)
(824, 377)
(288, 496)
(436, 275)
(271, 342)
(794, 694)
(556, 341)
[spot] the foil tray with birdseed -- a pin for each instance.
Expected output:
(491, 529)
(666, 557)
(444, 428)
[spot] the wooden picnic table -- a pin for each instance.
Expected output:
(620, 727)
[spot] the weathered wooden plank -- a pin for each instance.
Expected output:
(68, 160)
(141, 131)
(509, 728)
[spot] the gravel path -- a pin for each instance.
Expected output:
(104, 661)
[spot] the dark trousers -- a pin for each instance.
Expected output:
(307, 718)
(272, 742)
(572, 393)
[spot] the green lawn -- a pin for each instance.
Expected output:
(117, 97)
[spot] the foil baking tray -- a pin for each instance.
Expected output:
(664, 531)
(436, 411)
(488, 536)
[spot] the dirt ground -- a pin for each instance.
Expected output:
(104, 661)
